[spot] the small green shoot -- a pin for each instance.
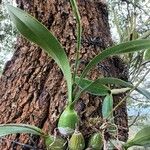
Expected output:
(107, 107)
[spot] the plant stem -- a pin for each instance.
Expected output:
(79, 32)
(71, 106)
(76, 98)
(79, 92)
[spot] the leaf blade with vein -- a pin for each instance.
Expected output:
(142, 138)
(6, 129)
(34, 31)
(93, 88)
(102, 82)
(126, 47)
(107, 107)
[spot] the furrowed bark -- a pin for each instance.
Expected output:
(33, 90)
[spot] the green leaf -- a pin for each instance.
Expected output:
(126, 47)
(93, 87)
(107, 106)
(110, 80)
(35, 32)
(143, 92)
(142, 138)
(115, 81)
(147, 54)
(6, 129)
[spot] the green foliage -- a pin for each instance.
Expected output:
(99, 86)
(142, 138)
(130, 20)
(6, 129)
(147, 54)
(51, 142)
(34, 31)
(93, 87)
(107, 107)
(122, 48)
(37, 33)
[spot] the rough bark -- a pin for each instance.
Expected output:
(33, 90)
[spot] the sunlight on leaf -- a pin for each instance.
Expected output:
(6, 129)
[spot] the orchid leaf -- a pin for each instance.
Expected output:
(115, 81)
(6, 129)
(142, 138)
(107, 106)
(127, 47)
(37, 33)
(147, 55)
(93, 87)
(99, 86)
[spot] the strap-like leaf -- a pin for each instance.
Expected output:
(147, 54)
(143, 92)
(115, 81)
(142, 138)
(102, 82)
(34, 31)
(107, 106)
(93, 87)
(126, 47)
(6, 129)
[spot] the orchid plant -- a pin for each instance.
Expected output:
(37, 33)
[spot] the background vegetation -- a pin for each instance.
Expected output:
(129, 20)
(7, 35)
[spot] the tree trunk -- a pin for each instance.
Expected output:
(33, 90)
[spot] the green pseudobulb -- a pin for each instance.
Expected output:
(55, 143)
(96, 141)
(68, 121)
(76, 141)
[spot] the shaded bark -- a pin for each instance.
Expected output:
(33, 89)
